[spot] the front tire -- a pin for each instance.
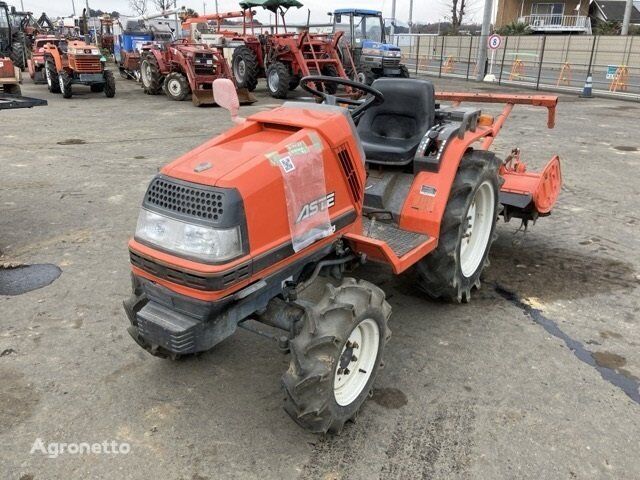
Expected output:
(336, 356)
(404, 72)
(278, 79)
(64, 80)
(244, 65)
(51, 75)
(176, 86)
(467, 231)
(109, 84)
(152, 79)
(330, 71)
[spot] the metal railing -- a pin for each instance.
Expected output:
(533, 61)
(557, 23)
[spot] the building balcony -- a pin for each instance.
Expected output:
(557, 23)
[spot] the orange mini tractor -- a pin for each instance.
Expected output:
(36, 62)
(181, 68)
(70, 62)
(283, 58)
(232, 233)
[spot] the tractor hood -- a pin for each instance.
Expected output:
(384, 47)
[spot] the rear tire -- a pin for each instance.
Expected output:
(330, 71)
(244, 65)
(176, 86)
(51, 75)
(331, 374)
(109, 86)
(64, 80)
(18, 52)
(152, 79)
(278, 78)
(454, 267)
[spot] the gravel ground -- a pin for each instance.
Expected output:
(536, 378)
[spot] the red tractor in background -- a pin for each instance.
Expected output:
(181, 68)
(70, 62)
(284, 58)
(36, 61)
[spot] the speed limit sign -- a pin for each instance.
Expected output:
(494, 41)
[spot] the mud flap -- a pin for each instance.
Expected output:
(529, 195)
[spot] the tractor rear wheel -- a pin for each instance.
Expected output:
(176, 86)
(18, 52)
(278, 78)
(51, 75)
(151, 77)
(466, 232)
(109, 86)
(64, 80)
(330, 71)
(244, 65)
(336, 356)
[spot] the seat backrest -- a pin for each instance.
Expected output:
(408, 109)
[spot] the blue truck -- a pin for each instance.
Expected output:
(364, 32)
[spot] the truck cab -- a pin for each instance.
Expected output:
(364, 32)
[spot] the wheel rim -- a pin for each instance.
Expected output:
(47, 74)
(174, 87)
(61, 82)
(479, 220)
(362, 78)
(241, 68)
(356, 362)
(274, 80)
(145, 72)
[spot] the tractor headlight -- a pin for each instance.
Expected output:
(205, 243)
(392, 53)
(372, 51)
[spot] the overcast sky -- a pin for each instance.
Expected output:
(424, 10)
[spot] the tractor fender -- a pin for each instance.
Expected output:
(427, 199)
(162, 64)
(54, 55)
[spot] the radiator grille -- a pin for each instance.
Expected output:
(186, 199)
(86, 64)
(391, 62)
(350, 173)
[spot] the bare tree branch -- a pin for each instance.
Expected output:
(163, 5)
(458, 11)
(138, 6)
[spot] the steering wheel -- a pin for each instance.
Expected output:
(357, 107)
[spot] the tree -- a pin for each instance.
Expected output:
(458, 11)
(163, 5)
(138, 6)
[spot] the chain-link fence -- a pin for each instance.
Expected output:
(561, 61)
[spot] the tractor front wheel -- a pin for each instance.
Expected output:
(176, 86)
(404, 72)
(466, 232)
(109, 86)
(336, 356)
(278, 79)
(244, 65)
(64, 80)
(150, 73)
(51, 74)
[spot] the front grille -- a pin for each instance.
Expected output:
(85, 64)
(391, 62)
(346, 162)
(200, 65)
(186, 199)
(198, 282)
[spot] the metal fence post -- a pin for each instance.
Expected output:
(418, 54)
(544, 41)
(441, 55)
(504, 52)
(593, 48)
(469, 59)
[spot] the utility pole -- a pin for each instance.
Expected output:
(627, 17)
(74, 8)
(204, 8)
(484, 36)
(410, 16)
(217, 12)
(393, 17)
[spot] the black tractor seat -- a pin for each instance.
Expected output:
(390, 132)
